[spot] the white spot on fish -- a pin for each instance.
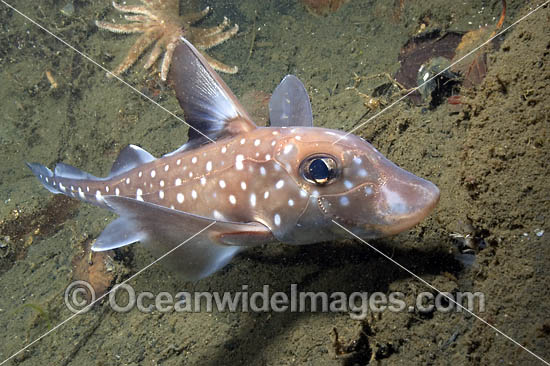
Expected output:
(117, 191)
(277, 167)
(395, 201)
(344, 201)
(128, 180)
(357, 160)
(81, 193)
(47, 180)
(368, 190)
(298, 137)
(194, 160)
(153, 173)
(178, 182)
(266, 195)
(222, 183)
(87, 188)
(161, 183)
(218, 216)
(253, 200)
(267, 156)
(291, 202)
(277, 219)
(194, 194)
(232, 199)
(224, 150)
(288, 148)
(106, 189)
(178, 162)
(180, 197)
(62, 187)
(140, 174)
(166, 167)
(243, 186)
(98, 195)
(273, 143)
(161, 194)
(257, 142)
(262, 170)
(239, 162)
(243, 141)
(280, 184)
(303, 193)
(209, 166)
(190, 174)
(362, 173)
(203, 181)
(139, 192)
(348, 184)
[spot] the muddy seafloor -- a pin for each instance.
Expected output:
(489, 156)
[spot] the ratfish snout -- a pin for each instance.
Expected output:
(404, 200)
(386, 202)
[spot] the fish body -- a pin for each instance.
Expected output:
(255, 185)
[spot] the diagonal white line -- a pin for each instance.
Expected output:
(442, 71)
(351, 131)
(152, 101)
(102, 67)
(447, 297)
(83, 310)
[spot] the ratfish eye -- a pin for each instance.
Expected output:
(319, 169)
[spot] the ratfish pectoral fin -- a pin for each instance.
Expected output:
(118, 233)
(162, 229)
(289, 105)
(208, 104)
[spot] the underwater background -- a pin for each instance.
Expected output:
(484, 140)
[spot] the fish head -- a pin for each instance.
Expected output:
(351, 182)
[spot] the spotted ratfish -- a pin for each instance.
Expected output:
(256, 185)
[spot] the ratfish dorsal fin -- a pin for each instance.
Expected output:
(129, 158)
(289, 105)
(209, 106)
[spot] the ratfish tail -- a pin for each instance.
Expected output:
(69, 181)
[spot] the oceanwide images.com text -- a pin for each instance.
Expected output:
(80, 296)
